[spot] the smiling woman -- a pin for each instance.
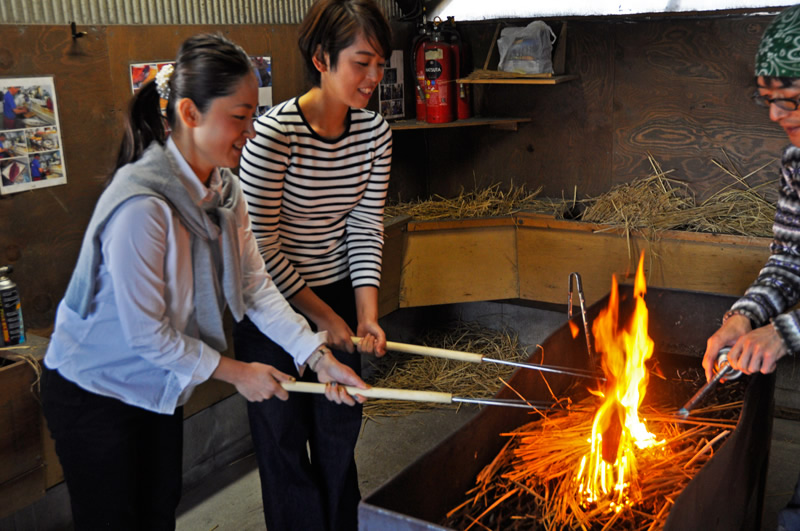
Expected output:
(168, 247)
(315, 178)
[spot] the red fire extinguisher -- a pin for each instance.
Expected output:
(439, 80)
(418, 53)
(463, 92)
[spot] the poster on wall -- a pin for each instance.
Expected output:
(141, 73)
(390, 93)
(30, 138)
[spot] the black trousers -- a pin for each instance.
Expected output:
(312, 487)
(122, 464)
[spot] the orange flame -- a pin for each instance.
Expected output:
(574, 329)
(609, 470)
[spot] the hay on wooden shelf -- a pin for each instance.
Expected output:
(486, 202)
(658, 202)
(651, 204)
(463, 379)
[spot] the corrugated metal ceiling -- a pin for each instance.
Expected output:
(102, 12)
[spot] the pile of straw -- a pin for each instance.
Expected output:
(650, 204)
(463, 379)
(531, 483)
(486, 202)
(658, 202)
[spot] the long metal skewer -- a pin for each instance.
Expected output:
(478, 358)
(417, 396)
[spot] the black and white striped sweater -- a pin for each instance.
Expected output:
(777, 288)
(316, 205)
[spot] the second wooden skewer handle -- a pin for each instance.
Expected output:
(430, 351)
(374, 392)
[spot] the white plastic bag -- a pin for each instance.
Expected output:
(527, 50)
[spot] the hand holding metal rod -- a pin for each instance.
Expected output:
(478, 358)
(416, 396)
(722, 369)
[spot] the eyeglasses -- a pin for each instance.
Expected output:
(787, 104)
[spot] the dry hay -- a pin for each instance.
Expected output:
(658, 202)
(651, 204)
(486, 202)
(530, 484)
(462, 379)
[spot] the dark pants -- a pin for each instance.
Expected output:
(305, 492)
(122, 464)
(789, 516)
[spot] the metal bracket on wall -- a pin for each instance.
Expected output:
(75, 33)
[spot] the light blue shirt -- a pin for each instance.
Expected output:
(139, 342)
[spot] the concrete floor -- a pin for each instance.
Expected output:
(231, 500)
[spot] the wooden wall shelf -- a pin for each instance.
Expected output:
(499, 123)
(544, 80)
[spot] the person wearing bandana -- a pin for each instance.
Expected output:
(761, 327)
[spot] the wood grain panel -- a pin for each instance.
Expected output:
(41, 230)
(22, 477)
(449, 266)
(682, 93)
(549, 251)
(391, 269)
(134, 44)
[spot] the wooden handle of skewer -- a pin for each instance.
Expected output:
(374, 392)
(430, 351)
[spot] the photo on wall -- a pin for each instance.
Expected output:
(391, 96)
(141, 73)
(30, 137)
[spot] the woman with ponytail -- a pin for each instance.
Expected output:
(168, 248)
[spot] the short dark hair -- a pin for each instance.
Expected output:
(333, 25)
(781, 81)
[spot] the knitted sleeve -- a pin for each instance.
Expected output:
(777, 287)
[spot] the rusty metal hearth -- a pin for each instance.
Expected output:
(727, 493)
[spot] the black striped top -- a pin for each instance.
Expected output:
(775, 292)
(316, 204)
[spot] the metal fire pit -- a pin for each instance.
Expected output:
(726, 494)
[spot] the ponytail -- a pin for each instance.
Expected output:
(144, 123)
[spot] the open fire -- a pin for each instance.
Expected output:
(609, 469)
(595, 464)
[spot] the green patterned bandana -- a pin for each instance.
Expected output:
(779, 52)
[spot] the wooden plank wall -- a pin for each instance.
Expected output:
(41, 230)
(676, 87)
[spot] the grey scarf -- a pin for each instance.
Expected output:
(155, 174)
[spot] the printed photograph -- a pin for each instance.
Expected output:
(30, 127)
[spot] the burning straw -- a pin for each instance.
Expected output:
(531, 483)
(476, 380)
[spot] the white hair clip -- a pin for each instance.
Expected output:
(162, 80)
